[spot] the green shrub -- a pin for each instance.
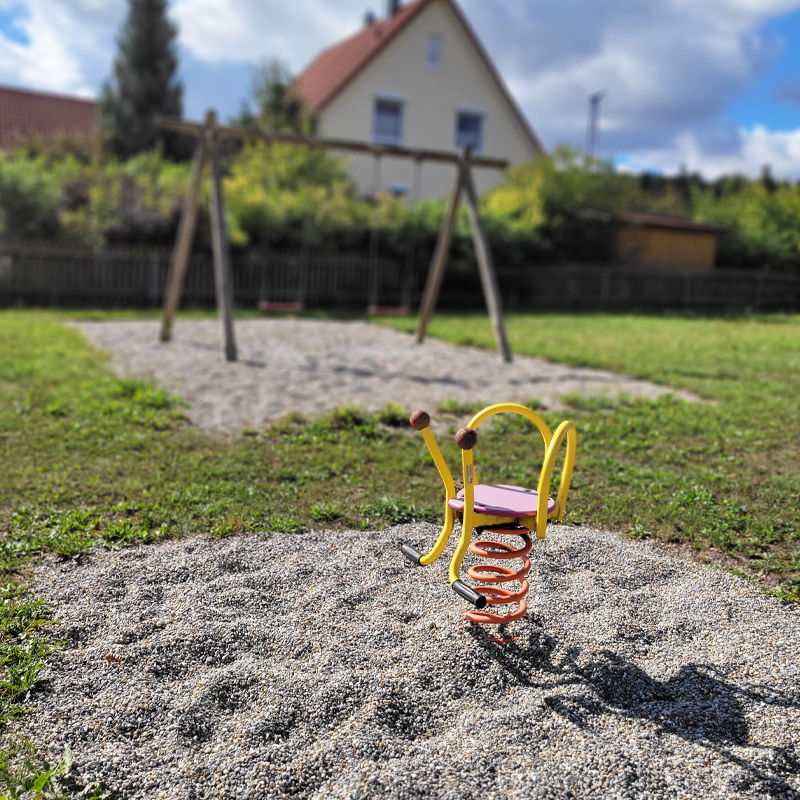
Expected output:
(553, 209)
(29, 199)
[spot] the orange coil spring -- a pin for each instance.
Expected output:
(492, 574)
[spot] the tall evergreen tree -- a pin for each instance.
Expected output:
(143, 83)
(278, 106)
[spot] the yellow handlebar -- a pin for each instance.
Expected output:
(421, 421)
(564, 430)
(466, 439)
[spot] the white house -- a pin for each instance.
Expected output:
(419, 78)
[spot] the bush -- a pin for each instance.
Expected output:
(762, 221)
(29, 200)
(285, 197)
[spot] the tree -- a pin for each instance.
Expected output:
(29, 199)
(143, 83)
(279, 106)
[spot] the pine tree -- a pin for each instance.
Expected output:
(143, 83)
(280, 107)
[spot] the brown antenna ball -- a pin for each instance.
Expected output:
(419, 420)
(467, 438)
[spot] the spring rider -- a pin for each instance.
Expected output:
(497, 510)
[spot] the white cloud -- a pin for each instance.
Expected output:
(67, 41)
(247, 30)
(670, 67)
(757, 147)
(666, 64)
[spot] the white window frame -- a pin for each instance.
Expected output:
(475, 113)
(438, 47)
(395, 99)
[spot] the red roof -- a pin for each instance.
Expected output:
(664, 221)
(25, 113)
(333, 69)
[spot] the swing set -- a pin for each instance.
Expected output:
(209, 134)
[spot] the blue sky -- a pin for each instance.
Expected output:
(763, 101)
(12, 18)
(712, 86)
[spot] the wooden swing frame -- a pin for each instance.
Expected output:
(209, 134)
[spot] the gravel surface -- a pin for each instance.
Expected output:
(313, 366)
(321, 665)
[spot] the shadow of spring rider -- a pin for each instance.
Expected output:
(495, 509)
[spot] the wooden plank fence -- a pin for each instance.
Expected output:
(40, 275)
(615, 288)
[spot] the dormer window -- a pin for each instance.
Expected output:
(387, 121)
(434, 52)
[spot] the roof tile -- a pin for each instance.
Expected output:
(666, 221)
(25, 112)
(335, 67)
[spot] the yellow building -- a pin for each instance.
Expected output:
(419, 78)
(665, 242)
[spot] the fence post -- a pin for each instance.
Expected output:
(759, 291)
(605, 288)
(263, 291)
(155, 277)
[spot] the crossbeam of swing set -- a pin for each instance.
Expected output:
(209, 134)
(346, 145)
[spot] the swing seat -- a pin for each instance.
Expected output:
(389, 311)
(270, 305)
(501, 500)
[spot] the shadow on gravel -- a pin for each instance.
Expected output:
(695, 704)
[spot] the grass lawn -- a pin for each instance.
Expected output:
(87, 458)
(722, 476)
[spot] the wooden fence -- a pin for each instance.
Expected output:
(131, 278)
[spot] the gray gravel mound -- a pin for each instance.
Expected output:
(322, 666)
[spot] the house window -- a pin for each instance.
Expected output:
(387, 124)
(434, 52)
(469, 130)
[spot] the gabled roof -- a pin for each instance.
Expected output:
(333, 69)
(24, 113)
(665, 221)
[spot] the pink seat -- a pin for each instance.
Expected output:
(499, 500)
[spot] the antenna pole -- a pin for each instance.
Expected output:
(594, 120)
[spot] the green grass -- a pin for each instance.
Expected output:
(722, 475)
(24, 646)
(89, 459)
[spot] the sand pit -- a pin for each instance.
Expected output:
(313, 366)
(321, 666)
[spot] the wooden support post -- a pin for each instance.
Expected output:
(223, 280)
(183, 242)
(491, 291)
(434, 282)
